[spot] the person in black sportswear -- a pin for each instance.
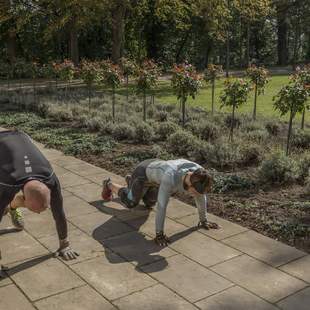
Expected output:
(23, 168)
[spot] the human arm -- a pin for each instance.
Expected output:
(202, 205)
(59, 216)
(164, 193)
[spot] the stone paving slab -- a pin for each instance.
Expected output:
(46, 278)
(88, 192)
(100, 226)
(12, 299)
(42, 225)
(84, 169)
(259, 278)
(112, 276)
(299, 268)
(80, 298)
(178, 209)
(157, 297)
(115, 209)
(234, 298)
(4, 281)
(98, 178)
(147, 226)
(71, 179)
(19, 246)
(75, 206)
(188, 278)
(126, 246)
(204, 250)
(228, 229)
(298, 301)
(65, 160)
(86, 246)
(263, 248)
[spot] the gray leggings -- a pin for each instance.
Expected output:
(139, 188)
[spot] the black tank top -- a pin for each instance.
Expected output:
(21, 160)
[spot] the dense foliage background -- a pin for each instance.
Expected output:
(269, 32)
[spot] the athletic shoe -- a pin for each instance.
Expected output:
(17, 218)
(106, 194)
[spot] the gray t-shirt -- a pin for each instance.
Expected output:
(169, 175)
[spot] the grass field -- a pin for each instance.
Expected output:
(264, 104)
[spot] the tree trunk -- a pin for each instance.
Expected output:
(231, 134)
(255, 102)
(89, 97)
(11, 46)
(227, 54)
(282, 35)
(183, 111)
(118, 15)
(213, 91)
(247, 59)
(289, 134)
(11, 33)
(74, 44)
(303, 119)
(144, 106)
(113, 104)
(127, 90)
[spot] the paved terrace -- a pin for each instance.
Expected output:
(120, 267)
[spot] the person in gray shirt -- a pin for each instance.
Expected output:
(155, 180)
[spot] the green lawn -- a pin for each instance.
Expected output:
(164, 94)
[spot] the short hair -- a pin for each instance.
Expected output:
(201, 180)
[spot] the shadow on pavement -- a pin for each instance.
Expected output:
(27, 264)
(9, 230)
(133, 245)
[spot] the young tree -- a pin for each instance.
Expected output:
(147, 76)
(212, 73)
(185, 82)
(290, 99)
(129, 68)
(89, 73)
(302, 76)
(234, 95)
(112, 78)
(258, 76)
(66, 72)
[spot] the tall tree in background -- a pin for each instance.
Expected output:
(250, 12)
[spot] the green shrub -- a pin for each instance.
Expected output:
(301, 139)
(223, 184)
(251, 154)
(165, 129)
(272, 128)
(201, 151)
(259, 135)
(94, 124)
(123, 131)
(278, 169)
(181, 142)
(60, 115)
(228, 121)
(304, 167)
(253, 126)
(169, 107)
(161, 116)
(144, 133)
(224, 154)
(107, 128)
(204, 130)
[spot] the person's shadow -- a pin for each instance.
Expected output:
(133, 245)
